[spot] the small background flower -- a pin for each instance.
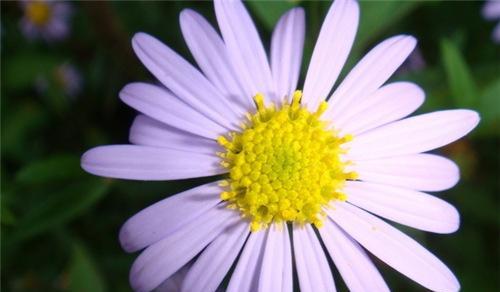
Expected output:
(59, 224)
(491, 11)
(47, 20)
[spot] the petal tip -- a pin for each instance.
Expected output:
(123, 238)
(87, 158)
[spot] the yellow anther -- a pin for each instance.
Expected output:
(223, 141)
(259, 101)
(321, 108)
(297, 97)
(284, 165)
(223, 183)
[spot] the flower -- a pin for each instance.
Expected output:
(491, 11)
(47, 20)
(69, 79)
(298, 169)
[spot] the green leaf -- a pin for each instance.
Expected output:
(6, 218)
(58, 208)
(25, 67)
(269, 12)
(489, 108)
(378, 16)
(460, 81)
(83, 273)
(18, 125)
(55, 168)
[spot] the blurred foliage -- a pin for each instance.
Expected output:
(59, 225)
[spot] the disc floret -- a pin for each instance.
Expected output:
(284, 165)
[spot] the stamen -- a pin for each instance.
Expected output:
(284, 165)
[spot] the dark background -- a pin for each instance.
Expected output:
(59, 225)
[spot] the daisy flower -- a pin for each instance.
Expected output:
(48, 20)
(491, 11)
(297, 170)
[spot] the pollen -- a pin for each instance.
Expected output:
(285, 165)
(38, 12)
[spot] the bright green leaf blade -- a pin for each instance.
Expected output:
(270, 11)
(58, 208)
(460, 81)
(55, 168)
(83, 273)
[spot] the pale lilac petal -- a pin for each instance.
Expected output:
(287, 44)
(274, 275)
(413, 135)
(210, 53)
(184, 80)
(491, 10)
(162, 259)
(407, 207)
(355, 267)
(423, 172)
(148, 163)
(150, 132)
(394, 248)
(246, 274)
(310, 260)
(174, 283)
(167, 216)
(330, 52)
(215, 261)
(389, 103)
(287, 263)
(163, 106)
(370, 73)
(245, 48)
(496, 33)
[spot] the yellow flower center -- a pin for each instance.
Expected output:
(285, 165)
(38, 12)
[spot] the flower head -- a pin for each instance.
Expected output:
(48, 20)
(491, 11)
(292, 161)
(69, 79)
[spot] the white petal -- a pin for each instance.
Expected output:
(311, 263)
(370, 73)
(394, 248)
(246, 274)
(286, 51)
(210, 53)
(215, 261)
(245, 47)
(148, 163)
(413, 135)
(150, 132)
(158, 103)
(162, 259)
(407, 207)
(355, 267)
(423, 172)
(179, 76)
(389, 103)
(331, 50)
(167, 216)
(275, 274)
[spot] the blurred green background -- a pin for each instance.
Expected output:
(59, 225)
